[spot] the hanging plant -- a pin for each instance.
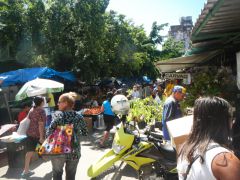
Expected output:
(204, 84)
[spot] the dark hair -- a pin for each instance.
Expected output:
(211, 123)
(25, 104)
(109, 95)
(38, 101)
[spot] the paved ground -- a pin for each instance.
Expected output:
(90, 152)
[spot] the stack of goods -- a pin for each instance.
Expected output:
(93, 111)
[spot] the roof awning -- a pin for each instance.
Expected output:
(218, 25)
(174, 64)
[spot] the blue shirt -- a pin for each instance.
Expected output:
(171, 110)
(107, 108)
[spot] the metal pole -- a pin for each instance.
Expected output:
(7, 105)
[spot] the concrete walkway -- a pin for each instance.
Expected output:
(90, 153)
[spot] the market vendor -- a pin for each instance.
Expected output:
(171, 108)
(23, 113)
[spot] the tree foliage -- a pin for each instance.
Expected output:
(78, 36)
(172, 49)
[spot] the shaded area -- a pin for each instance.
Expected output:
(10, 65)
(15, 173)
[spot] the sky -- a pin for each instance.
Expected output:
(145, 12)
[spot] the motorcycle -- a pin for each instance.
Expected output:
(147, 154)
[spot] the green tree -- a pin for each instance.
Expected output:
(150, 46)
(172, 49)
(154, 36)
(58, 40)
(123, 46)
(12, 17)
(78, 36)
(21, 32)
(89, 37)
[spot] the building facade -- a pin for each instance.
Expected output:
(182, 32)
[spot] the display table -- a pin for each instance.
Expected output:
(91, 115)
(16, 146)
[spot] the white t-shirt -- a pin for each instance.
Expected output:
(157, 99)
(198, 170)
(135, 94)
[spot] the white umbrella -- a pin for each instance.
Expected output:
(38, 87)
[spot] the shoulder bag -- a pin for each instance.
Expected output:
(59, 142)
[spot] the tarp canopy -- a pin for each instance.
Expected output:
(219, 20)
(24, 75)
(171, 65)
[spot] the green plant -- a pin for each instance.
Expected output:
(145, 110)
(204, 84)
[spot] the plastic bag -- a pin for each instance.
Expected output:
(23, 126)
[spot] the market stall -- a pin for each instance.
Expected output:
(15, 141)
(213, 60)
(14, 144)
(93, 117)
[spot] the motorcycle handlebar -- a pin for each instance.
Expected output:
(153, 139)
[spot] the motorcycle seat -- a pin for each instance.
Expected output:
(168, 151)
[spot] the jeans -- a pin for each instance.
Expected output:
(70, 168)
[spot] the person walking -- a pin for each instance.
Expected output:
(206, 154)
(171, 108)
(35, 132)
(108, 117)
(66, 115)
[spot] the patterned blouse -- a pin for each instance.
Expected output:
(36, 115)
(61, 118)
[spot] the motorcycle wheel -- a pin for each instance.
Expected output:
(148, 173)
(154, 176)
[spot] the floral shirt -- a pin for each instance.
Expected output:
(61, 118)
(36, 115)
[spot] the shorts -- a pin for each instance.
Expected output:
(109, 121)
(31, 143)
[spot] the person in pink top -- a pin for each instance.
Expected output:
(35, 132)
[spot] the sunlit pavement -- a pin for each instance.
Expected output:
(90, 153)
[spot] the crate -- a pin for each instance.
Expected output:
(89, 123)
(179, 130)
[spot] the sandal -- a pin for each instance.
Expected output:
(101, 145)
(26, 175)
